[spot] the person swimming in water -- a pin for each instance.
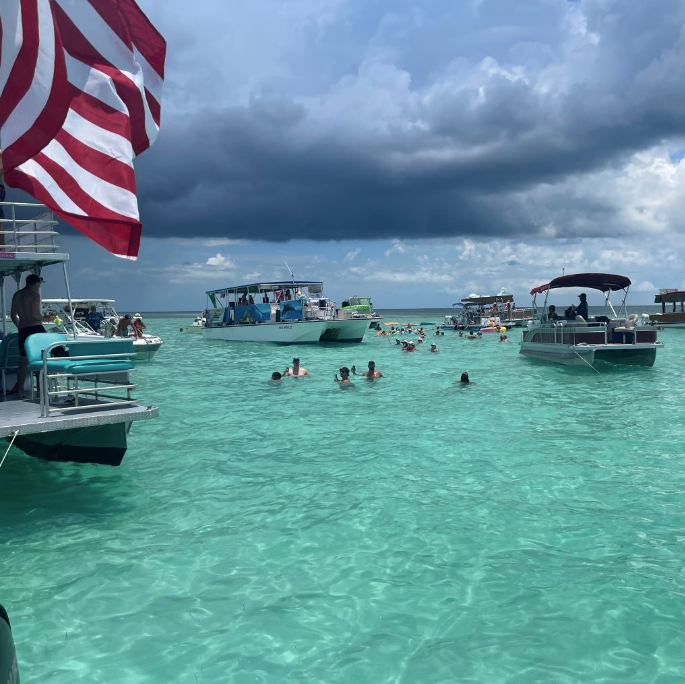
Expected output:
(370, 374)
(344, 378)
(296, 370)
(464, 380)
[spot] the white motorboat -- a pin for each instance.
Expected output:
(196, 326)
(361, 307)
(145, 345)
(284, 312)
(576, 341)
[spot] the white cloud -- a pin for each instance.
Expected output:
(351, 255)
(220, 261)
(397, 247)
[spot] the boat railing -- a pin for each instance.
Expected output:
(88, 377)
(588, 332)
(22, 230)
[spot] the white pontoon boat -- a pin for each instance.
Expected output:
(614, 337)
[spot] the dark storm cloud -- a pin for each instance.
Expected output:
(517, 102)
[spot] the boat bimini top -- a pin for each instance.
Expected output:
(604, 282)
(313, 286)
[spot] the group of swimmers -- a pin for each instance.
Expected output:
(403, 330)
(477, 335)
(372, 373)
(410, 346)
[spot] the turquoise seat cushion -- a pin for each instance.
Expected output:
(88, 366)
(35, 344)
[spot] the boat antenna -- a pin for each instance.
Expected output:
(292, 275)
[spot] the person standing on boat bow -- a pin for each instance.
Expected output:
(27, 315)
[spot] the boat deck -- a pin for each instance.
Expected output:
(24, 417)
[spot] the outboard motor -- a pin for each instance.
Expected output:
(9, 670)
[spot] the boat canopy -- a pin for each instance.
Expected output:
(272, 286)
(488, 299)
(79, 302)
(596, 281)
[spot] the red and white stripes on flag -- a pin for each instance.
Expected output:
(80, 94)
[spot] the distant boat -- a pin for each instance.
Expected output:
(197, 325)
(674, 318)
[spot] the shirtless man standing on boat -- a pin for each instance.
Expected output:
(27, 316)
(296, 370)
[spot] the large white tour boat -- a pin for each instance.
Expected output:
(284, 312)
(81, 407)
(577, 341)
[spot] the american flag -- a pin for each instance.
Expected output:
(80, 95)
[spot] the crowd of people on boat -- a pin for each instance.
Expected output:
(123, 326)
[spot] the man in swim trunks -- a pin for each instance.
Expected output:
(27, 316)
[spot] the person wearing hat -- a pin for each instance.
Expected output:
(434, 348)
(581, 309)
(296, 370)
(138, 325)
(28, 316)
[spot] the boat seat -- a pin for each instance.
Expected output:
(36, 345)
(9, 357)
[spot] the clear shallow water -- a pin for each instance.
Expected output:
(526, 529)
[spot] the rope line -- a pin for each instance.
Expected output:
(16, 432)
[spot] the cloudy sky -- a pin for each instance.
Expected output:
(411, 151)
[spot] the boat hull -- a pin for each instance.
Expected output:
(668, 320)
(191, 329)
(629, 355)
(99, 444)
(146, 347)
(295, 332)
(345, 331)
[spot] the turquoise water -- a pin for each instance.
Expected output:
(528, 528)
